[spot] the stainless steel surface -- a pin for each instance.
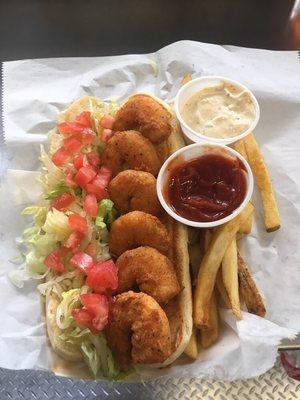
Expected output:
(25, 385)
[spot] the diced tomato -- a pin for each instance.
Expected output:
(97, 305)
(60, 157)
(84, 119)
(85, 175)
(70, 128)
(87, 136)
(90, 205)
(72, 145)
(97, 190)
(93, 249)
(107, 121)
(70, 179)
(82, 261)
(83, 318)
(104, 176)
(74, 241)
(53, 260)
(94, 159)
(106, 134)
(78, 223)
(63, 201)
(80, 161)
(102, 276)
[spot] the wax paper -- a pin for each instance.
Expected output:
(35, 91)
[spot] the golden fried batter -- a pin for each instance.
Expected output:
(137, 229)
(134, 190)
(146, 115)
(150, 270)
(133, 149)
(138, 330)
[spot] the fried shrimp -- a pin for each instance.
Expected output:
(133, 149)
(137, 229)
(146, 115)
(138, 330)
(150, 270)
(134, 190)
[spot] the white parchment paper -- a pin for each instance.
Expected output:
(35, 91)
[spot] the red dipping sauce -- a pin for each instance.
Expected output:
(207, 188)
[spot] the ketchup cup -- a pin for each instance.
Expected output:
(195, 151)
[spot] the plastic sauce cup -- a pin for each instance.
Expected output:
(194, 86)
(189, 153)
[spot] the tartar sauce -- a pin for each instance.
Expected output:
(219, 111)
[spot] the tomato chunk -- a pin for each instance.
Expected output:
(102, 276)
(63, 201)
(97, 305)
(74, 241)
(83, 318)
(107, 121)
(90, 205)
(82, 261)
(78, 223)
(87, 135)
(70, 179)
(53, 260)
(103, 177)
(106, 134)
(80, 161)
(70, 128)
(98, 191)
(84, 119)
(72, 145)
(85, 175)
(94, 159)
(60, 157)
(93, 249)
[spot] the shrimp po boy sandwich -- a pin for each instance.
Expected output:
(116, 267)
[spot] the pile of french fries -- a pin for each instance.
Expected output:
(223, 277)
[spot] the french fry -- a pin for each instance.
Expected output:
(263, 180)
(211, 262)
(230, 278)
(210, 336)
(222, 290)
(249, 290)
(186, 79)
(239, 146)
(191, 349)
(247, 226)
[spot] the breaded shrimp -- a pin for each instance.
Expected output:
(146, 115)
(138, 330)
(134, 190)
(150, 270)
(133, 149)
(137, 229)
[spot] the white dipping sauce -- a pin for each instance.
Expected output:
(219, 111)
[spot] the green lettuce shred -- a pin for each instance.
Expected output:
(59, 189)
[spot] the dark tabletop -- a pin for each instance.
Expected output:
(53, 28)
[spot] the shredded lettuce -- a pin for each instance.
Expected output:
(106, 215)
(108, 365)
(90, 356)
(57, 224)
(59, 189)
(70, 300)
(62, 283)
(55, 140)
(51, 174)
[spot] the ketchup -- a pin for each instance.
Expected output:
(207, 188)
